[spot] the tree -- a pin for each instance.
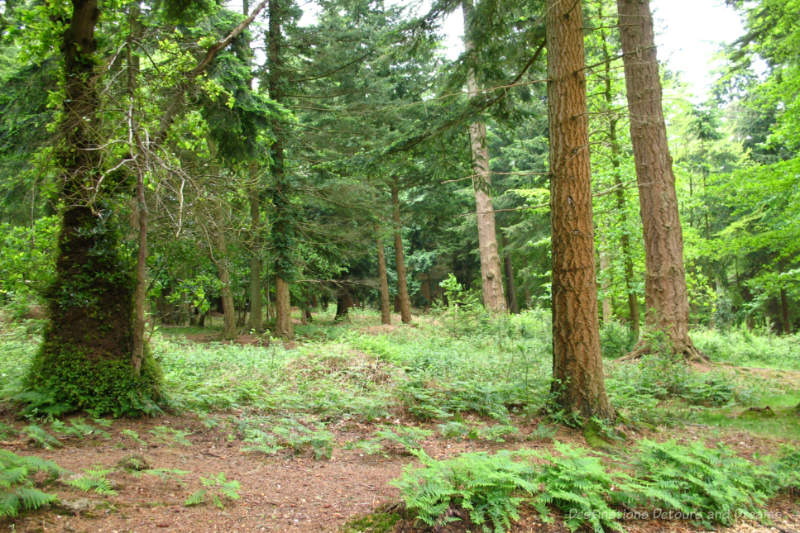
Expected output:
(578, 382)
(282, 227)
(86, 360)
(666, 298)
(491, 270)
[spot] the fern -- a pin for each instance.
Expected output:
(708, 485)
(218, 487)
(489, 488)
(17, 492)
(41, 438)
(134, 436)
(576, 484)
(93, 480)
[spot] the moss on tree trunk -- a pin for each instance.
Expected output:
(86, 359)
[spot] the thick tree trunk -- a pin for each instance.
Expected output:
(578, 382)
(386, 312)
(404, 302)
(491, 271)
(666, 299)
(86, 356)
(283, 310)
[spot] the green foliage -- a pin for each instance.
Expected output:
(218, 488)
(41, 437)
(268, 436)
(17, 491)
(64, 379)
(94, 479)
(489, 488)
(79, 428)
(578, 485)
(169, 435)
(134, 436)
(743, 347)
(26, 260)
(616, 339)
(377, 522)
(407, 438)
(706, 485)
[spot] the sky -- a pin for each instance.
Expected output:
(688, 34)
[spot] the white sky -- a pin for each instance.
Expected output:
(688, 34)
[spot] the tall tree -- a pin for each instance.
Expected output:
(86, 360)
(578, 382)
(491, 269)
(666, 298)
(282, 230)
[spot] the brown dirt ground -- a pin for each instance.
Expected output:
(282, 493)
(288, 492)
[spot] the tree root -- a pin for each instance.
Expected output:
(689, 352)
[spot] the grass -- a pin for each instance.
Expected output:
(466, 377)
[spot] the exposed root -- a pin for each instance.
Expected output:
(690, 353)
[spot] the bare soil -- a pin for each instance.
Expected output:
(290, 492)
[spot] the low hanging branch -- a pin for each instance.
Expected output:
(176, 103)
(467, 114)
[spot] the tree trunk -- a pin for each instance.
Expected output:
(282, 227)
(619, 191)
(140, 292)
(256, 302)
(283, 310)
(491, 276)
(578, 382)
(511, 289)
(786, 324)
(605, 305)
(221, 260)
(386, 313)
(402, 288)
(666, 299)
(344, 301)
(86, 358)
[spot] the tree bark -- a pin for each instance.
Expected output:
(578, 382)
(605, 304)
(282, 227)
(86, 358)
(386, 312)
(403, 300)
(491, 271)
(511, 289)
(344, 301)
(256, 322)
(619, 192)
(283, 309)
(140, 291)
(786, 324)
(666, 298)
(221, 260)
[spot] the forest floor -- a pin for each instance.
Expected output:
(323, 466)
